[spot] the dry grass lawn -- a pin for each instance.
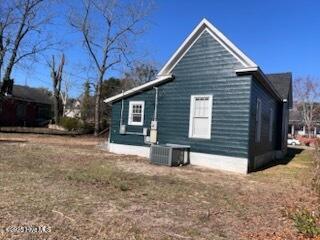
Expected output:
(83, 192)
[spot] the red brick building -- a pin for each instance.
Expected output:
(26, 106)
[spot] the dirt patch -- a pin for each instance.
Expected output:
(82, 192)
(76, 141)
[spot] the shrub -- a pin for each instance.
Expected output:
(70, 123)
(316, 169)
(306, 223)
(88, 127)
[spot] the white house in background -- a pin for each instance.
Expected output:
(73, 109)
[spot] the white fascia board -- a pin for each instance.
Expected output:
(158, 80)
(216, 34)
(244, 59)
(247, 69)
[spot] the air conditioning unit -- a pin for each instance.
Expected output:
(169, 155)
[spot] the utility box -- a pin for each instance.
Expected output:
(123, 129)
(153, 136)
(154, 125)
(169, 155)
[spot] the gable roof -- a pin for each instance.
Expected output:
(29, 94)
(205, 25)
(249, 67)
(282, 82)
(165, 73)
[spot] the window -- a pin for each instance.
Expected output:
(200, 116)
(258, 120)
(136, 113)
(270, 124)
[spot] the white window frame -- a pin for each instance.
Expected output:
(130, 122)
(258, 120)
(192, 102)
(271, 124)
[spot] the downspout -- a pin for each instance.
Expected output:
(154, 123)
(155, 105)
(121, 113)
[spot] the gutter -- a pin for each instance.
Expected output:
(262, 78)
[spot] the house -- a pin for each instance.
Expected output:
(211, 97)
(73, 108)
(297, 125)
(26, 106)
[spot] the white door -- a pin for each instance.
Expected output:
(200, 116)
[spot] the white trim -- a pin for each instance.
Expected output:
(222, 39)
(192, 101)
(158, 80)
(130, 122)
(129, 149)
(257, 72)
(182, 54)
(225, 163)
(247, 69)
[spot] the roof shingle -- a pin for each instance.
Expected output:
(29, 94)
(283, 84)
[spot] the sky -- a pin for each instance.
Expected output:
(278, 35)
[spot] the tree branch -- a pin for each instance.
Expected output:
(85, 32)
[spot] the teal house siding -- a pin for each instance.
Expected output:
(148, 97)
(207, 68)
(208, 64)
(267, 102)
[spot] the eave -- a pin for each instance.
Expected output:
(262, 78)
(157, 81)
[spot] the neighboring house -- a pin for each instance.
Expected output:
(209, 96)
(73, 108)
(297, 125)
(26, 106)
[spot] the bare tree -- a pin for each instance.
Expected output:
(64, 94)
(139, 74)
(306, 92)
(6, 20)
(109, 29)
(56, 76)
(21, 35)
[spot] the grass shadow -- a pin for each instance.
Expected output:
(12, 141)
(291, 154)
